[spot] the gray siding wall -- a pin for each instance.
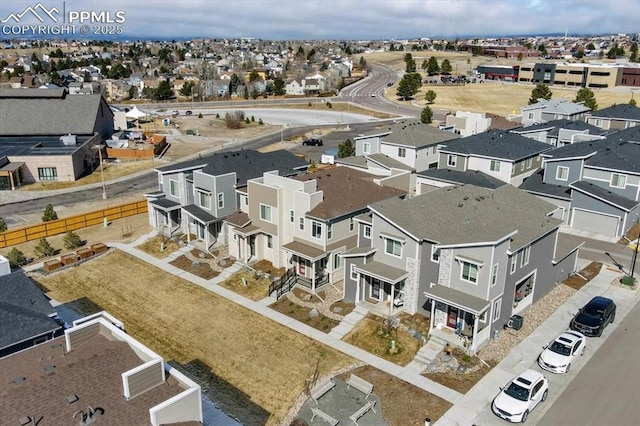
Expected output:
(208, 184)
(482, 254)
(428, 274)
(145, 379)
(350, 285)
(602, 178)
(374, 142)
(225, 184)
(585, 202)
(536, 163)
(551, 170)
(260, 194)
(362, 240)
(461, 162)
(104, 121)
(409, 248)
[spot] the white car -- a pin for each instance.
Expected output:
(559, 354)
(521, 395)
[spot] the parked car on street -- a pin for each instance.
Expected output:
(520, 396)
(188, 112)
(562, 351)
(312, 142)
(593, 317)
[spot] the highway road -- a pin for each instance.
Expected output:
(605, 392)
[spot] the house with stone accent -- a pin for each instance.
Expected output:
(467, 257)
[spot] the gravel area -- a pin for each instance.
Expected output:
(499, 348)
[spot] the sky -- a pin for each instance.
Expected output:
(343, 19)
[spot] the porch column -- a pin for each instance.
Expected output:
(11, 181)
(189, 228)
(432, 324)
(313, 276)
(206, 236)
(393, 297)
(474, 336)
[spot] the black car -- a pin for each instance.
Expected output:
(188, 112)
(313, 142)
(594, 316)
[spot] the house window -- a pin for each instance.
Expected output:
(495, 166)
(204, 200)
(562, 173)
(221, 200)
(494, 274)
(522, 166)
(51, 173)
(367, 231)
(291, 216)
(451, 160)
(352, 224)
(530, 116)
(301, 224)
(514, 263)
(246, 200)
(354, 274)
(483, 317)
(435, 254)
(174, 189)
(599, 122)
(618, 181)
(329, 230)
(469, 272)
(402, 152)
(316, 229)
(393, 247)
(366, 148)
(265, 213)
(525, 256)
(529, 162)
(269, 241)
(337, 260)
(497, 305)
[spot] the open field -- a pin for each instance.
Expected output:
(264, 360)
(496, 98)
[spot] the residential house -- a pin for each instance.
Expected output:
(503, 155)
(432, 179)
(26, 316)
(294, 88)
(391, 172)
(615, 117)
(444, 254)
(410, 142)
(195, 196)
(56, 142)
(465, 123)
(595, 184)
(219, 88)
(98, 374)
(553, 109)
(314, 85)
(304, 222)
(562, 132)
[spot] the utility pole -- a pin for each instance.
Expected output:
(635, 252)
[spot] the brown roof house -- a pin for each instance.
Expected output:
(304, 222)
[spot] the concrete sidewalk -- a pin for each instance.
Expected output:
(474, 406)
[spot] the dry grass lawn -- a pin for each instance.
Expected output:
(402, 403)
(301, 313)
(588, 272)
(463, 382)
(256, 289)
(200, 269)
(368, 335)
(153, 246)
(184, 322)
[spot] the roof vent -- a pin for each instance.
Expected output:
(19, 380)
(460, 205)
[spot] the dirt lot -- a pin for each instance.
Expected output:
(190, 325)
(576, 281)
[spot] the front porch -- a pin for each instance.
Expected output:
(309, 264)
(380, 288)
(165, 215)
(459, 319)
(206, 227)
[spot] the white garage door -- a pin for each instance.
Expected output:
(595, 222)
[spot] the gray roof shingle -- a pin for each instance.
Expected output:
(534, 184)
(604, 194)
(471, 177)
(416, 134)
(499, 144)
(35, 114)
(467, 214)
(621, 112)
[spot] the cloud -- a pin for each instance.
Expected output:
(358, 19)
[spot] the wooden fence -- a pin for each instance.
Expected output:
(60, 226)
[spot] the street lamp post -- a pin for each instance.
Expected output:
(104, 189)
(635, 252)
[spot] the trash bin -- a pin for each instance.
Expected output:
(515, 322)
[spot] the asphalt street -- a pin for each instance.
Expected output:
(605, 392)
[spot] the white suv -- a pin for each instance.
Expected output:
(521, 395)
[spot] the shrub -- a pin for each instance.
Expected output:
(253, 119)
(246, 120)
(234, 121)
(44, 249)
(71, 240)
(309, 104)
(49, 214)
(218, 115)
(3, 225)
(16, 258)
(329, 105)
(200, 115)
(260, 122)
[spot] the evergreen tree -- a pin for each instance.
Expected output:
(633, 102)
(3, 225)
(49, 214)
(278, 86)
(164, 90)
(426, 115)
(44, 249)
(71, 240)
(16, 258)
(541, 91)
(445, 67)
(587, 97)
(432, 66)
(430, 96)
(346, 149)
